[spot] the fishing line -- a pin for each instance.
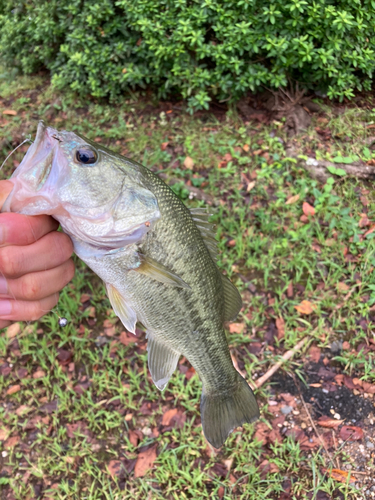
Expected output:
(15, 149)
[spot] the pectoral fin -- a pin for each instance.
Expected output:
(162, 361)
(156, 271)
(122, 308)
(232, 298)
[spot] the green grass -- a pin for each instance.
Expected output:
(262, 242)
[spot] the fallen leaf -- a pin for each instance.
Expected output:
(305, 307)
(340, 475)
(4, 433)
(164, 145)
(236, 327)
(351, 433)
(189, 163)
(13, 330)
(292, 199)
(13, 389)
(280, 325)
(10, 112)
(128, 417)
(308, 209)
(145, 461)
(69, 460)
(114, 468)
(315, 385)
(11, 442)
(364, 221)
(168, 415)
(250, 186)
(342, 287)
(133, 438)
(85, 298)
(39, 374)
(267, 467)
(127, 338)
(371, 230)
(227, 157)
(314, 353)
(246, 147)
(328, 422)
(190, 373)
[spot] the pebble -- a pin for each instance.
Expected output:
(285, 410)
(370, 445)
(337, 416)
(4, 454)
(326, 391)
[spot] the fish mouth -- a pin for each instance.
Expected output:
(31, 177)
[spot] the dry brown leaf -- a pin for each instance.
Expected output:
(280, 325)
(13, 389)
(364, 221)
(11, 442)
(114, 468)
(39, 374)
(168, 415)
(145, 461)
(342, 287)
(189, 163)
(314, 353)
(328, 422)
(351, 433)
(4, 433)
(164, 145)
(292, 199)
(305, 307)
(128, 417)
(308, 209)
(69, 460)
(236, 327)
(340, 475)
(246, 147)
(10, 112)
(13, 330)
(371, 230)
(127, 338)
(250, 186)
(315, 385)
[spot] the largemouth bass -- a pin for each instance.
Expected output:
(156, 258)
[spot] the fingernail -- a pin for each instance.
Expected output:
(3, 285)
(5, 307)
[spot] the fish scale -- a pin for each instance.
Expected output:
(153, 254)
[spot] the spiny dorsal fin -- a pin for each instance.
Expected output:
(162, 361)
(232, 299)
(122, 308)
(200, 217)
(156, 271)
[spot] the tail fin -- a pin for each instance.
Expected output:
(221, 414)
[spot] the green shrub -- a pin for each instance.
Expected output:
(197, 48)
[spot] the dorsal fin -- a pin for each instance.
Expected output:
(232, 299)
(200, 217)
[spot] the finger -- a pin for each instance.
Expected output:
(50, 251)
(20, 310)
(5, 188)
(17, 229)
(36, 286)
(4, 324)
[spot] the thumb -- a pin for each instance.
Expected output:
(5, 188)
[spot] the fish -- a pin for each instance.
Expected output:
(156, 258)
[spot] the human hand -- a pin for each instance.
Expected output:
(35, 263)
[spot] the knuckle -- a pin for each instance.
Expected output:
(9, 263)
(30, 287)
(70, 270)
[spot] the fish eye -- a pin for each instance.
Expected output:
(86, 156)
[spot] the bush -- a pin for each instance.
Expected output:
(197, 48)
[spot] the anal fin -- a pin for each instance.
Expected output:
(122, 308)
(162, 362)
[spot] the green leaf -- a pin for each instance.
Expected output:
(336, 171)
